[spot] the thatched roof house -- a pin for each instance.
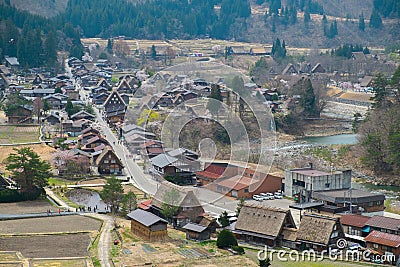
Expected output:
(189, 207)
(262, 224)
(319, 232)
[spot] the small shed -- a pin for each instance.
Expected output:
(197, 232)
(148, 226)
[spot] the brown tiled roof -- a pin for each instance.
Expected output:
(212, 171)
(384, 223)
(237, 182)
(145, 205)
(155, 150)
(354, 220)
(385, 239)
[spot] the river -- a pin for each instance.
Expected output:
(339, 139)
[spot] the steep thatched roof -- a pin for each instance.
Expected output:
(289, 234)
(316, 228)
(181, 197)
(264, 220)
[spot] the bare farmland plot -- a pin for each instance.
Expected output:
(52, 224)
(59, 263)
(36, 206)
(48, 246)
(12, 134)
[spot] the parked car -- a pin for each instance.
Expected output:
(267, 195)
(278, 195)
(258, 198)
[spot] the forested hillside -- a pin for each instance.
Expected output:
(302, 23)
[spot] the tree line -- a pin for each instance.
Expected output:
(35, 40)
(380, 131)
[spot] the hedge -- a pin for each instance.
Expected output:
(13, 195)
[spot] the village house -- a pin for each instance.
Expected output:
(135, 141)
(189, 207)
(53, 118)
(385, 243)
(290, 69)
(21, 115)
(95, 141)
(357, 201)
(123, 87)
(383, 224)
(99, 90)
(238, 180)
(258, 51)
(262, 225)
(197, 232)
(319, 232)
(103, 83)
(177, 169)
(210, 174)
(301, 183)
(114, 109)
(148, 226)
(83, 115)
(99, 99)
(56, 100)
(318, 68)
(37, 92)
(151, 149)
(354, 225)
(11, 62)
(109, 163)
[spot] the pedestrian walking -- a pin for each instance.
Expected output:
(59, 211)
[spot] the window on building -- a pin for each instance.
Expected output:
(327, 185)
(370, 204)
(246, 190)
(335, 234)
(376, 246)
(234, 193)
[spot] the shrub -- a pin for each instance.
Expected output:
(238, 249)
(13, 195)
(226, 239)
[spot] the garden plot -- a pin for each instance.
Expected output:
(48, 246)
(51, 224)
(12, 134)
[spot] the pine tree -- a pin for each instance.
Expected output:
(375, 20)
(153, 52)
(307, 16)
(50, 49)
(361, 22)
